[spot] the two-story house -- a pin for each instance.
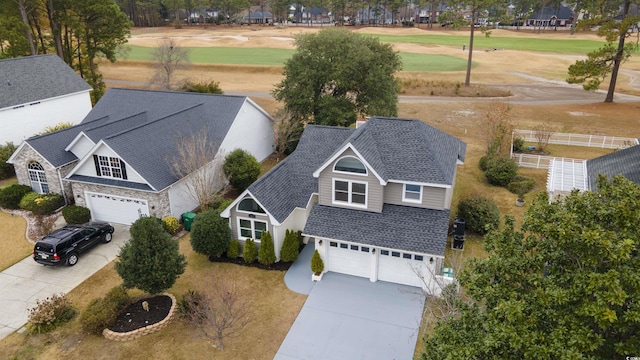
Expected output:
(375, 200)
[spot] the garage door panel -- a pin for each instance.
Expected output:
(116, 209)
(350, 260)
(401, 269)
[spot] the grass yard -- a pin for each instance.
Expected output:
(273, 311)
(13, 242)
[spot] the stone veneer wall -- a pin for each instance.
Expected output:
(130, 335)
(28, 155)
(158, 202)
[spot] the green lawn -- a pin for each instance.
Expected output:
(277, 57)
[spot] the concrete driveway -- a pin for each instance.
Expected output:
(347, 317)
(25, 282)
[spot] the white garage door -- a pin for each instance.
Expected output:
(399, 267)
(116, 209)
(348, 258)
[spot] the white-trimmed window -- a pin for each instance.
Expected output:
(350, 164)
(250, 228)
(38, 178)
(108, 166)
(250, 205)
(412, 193)
(350, 192)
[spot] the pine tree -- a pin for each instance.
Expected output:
(266, 254)
(249, 251)
(317, 265)
(289, 251)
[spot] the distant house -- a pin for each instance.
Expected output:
(259, 17)
(551, 16)
(118, 160)
(375, 200)
(39, 91)
(304, 14)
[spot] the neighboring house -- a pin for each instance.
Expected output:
(551, 16)
(39, 91)
(376, 199)
(117, 162)
(567, 175)
(259, 17)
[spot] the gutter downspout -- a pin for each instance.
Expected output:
(64, 195)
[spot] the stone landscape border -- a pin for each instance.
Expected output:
(150, 329)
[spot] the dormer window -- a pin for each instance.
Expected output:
(110, 167)
(250, 205)
(350, 164)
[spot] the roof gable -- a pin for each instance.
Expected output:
(35, 78)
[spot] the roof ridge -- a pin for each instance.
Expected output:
(30, 57)
(153, 121)
(114, 121)
(183, 93)
(65, 129)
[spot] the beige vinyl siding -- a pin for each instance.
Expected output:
(432, 197)
(325, 186)
(235, 214)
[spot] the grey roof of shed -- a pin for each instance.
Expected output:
(29, 79)
(625, 162)
(395, 227)
(143, 128)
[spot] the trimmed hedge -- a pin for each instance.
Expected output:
(74, 214)
(289, 251)
(249, 252)
(233, 251)
(41, 204)
(521, 185)
(501, 171)
(171, 224)
(480, 214)
(11, 195)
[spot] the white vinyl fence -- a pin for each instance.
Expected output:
(607, 142)
(538, 161)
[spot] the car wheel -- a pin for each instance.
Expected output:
(72, 259)
(107, 237)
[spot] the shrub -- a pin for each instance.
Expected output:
(212, 87)
(11, 195)
(289, 251)
(501, 171)
(241, 168)
(518, 144)
(74, 214)
(190, 300)
(266, 253)
(480, 214)
(224, 204)
(49, 314)
(249, 251)
(102, 312)
(484, 162)
(41, 204)
(521, 185)
(171, 224)
(210, 234)
(317, 265)
(6, 170)
(233, 251)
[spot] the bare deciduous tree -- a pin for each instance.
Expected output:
(286, 130)
(221, 314)
(498, 127)
(196, 160)
(542, 133)
(168, 58)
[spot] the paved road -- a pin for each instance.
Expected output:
(26, 282)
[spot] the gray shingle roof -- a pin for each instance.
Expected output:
(396, 227)
(625, 162)
(110, 182)
(142, 127)
(34, 78)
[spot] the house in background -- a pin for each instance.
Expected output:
(551, 16)
(118, 160)
(39, 91)
(375, 200)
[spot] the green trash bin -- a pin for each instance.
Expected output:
(187, 219)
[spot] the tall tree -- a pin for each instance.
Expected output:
(566, 286)
(475, 6)
(168, 57)
(606, 60)
(336, 75)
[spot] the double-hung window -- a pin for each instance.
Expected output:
(412, 193)
(251, 229)
(110, 167)
(350, 192)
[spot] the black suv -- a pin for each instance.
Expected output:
(64, 245)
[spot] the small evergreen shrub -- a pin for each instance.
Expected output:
(190, 300)
(484, 162)
(241, 168)
(212, 87)
(233, 251)
(171, 224)
(249, 251)
(521, 185)
(102, 312)
(501, 171)
(74, 214)
(317, 265)
(266, 253)
(480, 214)
(49, 314)
(210, 233)
(11, 195)
(289, 251)
(518, 144)
(41, 204)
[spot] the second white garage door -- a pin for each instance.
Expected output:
(402, 268)
(116, 209)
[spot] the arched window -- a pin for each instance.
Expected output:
(250, 205)
(350, 164)
(38, 178)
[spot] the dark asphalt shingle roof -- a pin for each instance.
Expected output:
(625, 162)
(110, 182)
(143, 126)
(395, 227)
(29, 79)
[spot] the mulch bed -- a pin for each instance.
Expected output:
(135, 317)
(280, 266)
